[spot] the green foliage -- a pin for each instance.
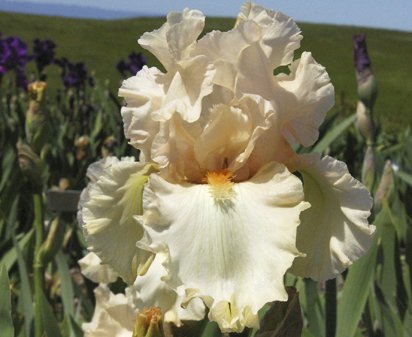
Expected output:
(6, 322)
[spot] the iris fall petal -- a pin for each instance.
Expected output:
(230, 249)
(334, 232)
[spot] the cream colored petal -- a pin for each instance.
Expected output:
(280, 35)
(144, 94)
(92, 267)
(334, 232)
(173, 151)
(305, 100)
(224, 137)
(113, 316)
(189, 85)
(232, 253)
(174, 40)
(230, 135)
(107, 216)
(94, 172)
(223, 49)
(150, 290)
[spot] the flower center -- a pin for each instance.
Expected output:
(220, 184)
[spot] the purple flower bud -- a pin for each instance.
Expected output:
(122, 67)
(365, 78)
(43, 53)
(135, 63)
(74, 75)
(360, 53)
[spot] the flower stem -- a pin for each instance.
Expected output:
(330, 308)
(38, 264)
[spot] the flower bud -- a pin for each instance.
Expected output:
(149, 323)
(385, 185)
(368, 168)
(108, 147)
(53, 242)
(30, 165)
(36, 126)
(364, 122)
(365, 78)
(81, 144)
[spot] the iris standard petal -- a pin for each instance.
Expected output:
(280, 34)
(171, 42)
(306, 97)
(143, 93)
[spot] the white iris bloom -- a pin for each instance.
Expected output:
(213, 196)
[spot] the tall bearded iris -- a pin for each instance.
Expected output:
(214, 197)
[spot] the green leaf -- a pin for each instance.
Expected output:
(25, 298)
(50, 325)
(313, 307)
(407, 178)
(8, 166)
(211, 330)
(355, 293)
(328, 139)
(6, 322)
(283, 319)
(66, 285)
(98, 125)
(391, 324)
(10, 258)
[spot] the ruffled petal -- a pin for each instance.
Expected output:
(305, 100)
(94, 172)
(229, 244)
(150, 290)
(173, 41)
(230, 134)
(186, 89)
(143, 93)
(334, 232)
(113, 316)
(92, 267)
(223, 49)
(173, 150)
(107, 216)
(280, 34)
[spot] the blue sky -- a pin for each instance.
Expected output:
(394, 14)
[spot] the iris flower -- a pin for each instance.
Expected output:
(214, 201)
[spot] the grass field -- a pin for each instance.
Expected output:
(101, 44)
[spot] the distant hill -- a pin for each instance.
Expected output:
(71, 11)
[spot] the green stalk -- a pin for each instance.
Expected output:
(38, 263)
(330, 308)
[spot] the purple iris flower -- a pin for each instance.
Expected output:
(74, 75)
(13, 53)
(135, 63)
(13, 57)
(360, 53)
(43, 53)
